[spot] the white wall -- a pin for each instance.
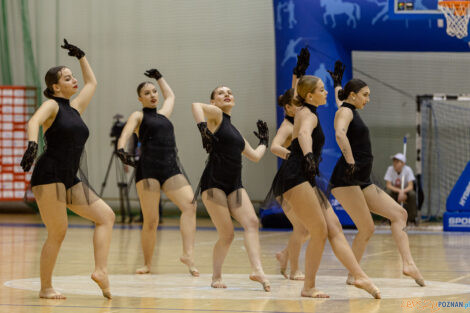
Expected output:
(197, 45)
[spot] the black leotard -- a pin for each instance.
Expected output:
(224, 168)
(358, 136)
(291, 173)
(159, 158)
(65, 142)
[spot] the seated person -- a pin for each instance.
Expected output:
(393, 177)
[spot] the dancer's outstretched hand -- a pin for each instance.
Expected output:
(29, 156)
(303, 61)
(337, 75)
(74, 51)
(310, 166)
(126, 158)
(153, 73)
(263, 133)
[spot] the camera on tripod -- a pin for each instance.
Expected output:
(116, 129)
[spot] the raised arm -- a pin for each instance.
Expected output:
(337, 77)
(132, 125)
(81, 102)
(343, 118)
(278, 143)
(339, 103)
(207, 112)
(45, 113)
(213, 114)
(263, 135)
(167, 92)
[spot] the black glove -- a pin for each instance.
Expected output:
(303, 61)
(263, 133)
(337, 75)
(350, 170)
(126, 158)
(74, 51)
(208, 137)
(153, 73)
(29, 156)
(310, 166)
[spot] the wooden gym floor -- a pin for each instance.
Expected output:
(443, 259)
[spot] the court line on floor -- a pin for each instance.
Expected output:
(458, 278)
(237, 238)
(378, 253)
(133, 308)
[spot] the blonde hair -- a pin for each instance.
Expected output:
(307, 84)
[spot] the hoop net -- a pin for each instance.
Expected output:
(457, 14)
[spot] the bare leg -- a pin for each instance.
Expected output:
(283, 258)
(382, 204)
(149, 196)
(353, 201)
(296, 240)
(345, 255)
(304, 202)
(245, 214)
(103, 217)
(54, 215)
(183, 197)
(220, 216)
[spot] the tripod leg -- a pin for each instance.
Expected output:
(103, 184)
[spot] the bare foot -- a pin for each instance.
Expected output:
(192, 269)
(313, 293)
(412, 271)
(50, 293)
(282, 258)
(261, 279)
(350, 280)
(143, 270)
(101, 278)
(298, 275)
(368, 285)
(217, 283)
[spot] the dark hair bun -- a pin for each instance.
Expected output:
(279, 101)
(48, 93)
(285, 98)
(342, 95)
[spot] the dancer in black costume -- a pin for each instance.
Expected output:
(159, 169)
(222, 189)
(280, 147)
(54, 180)
(351, 183)
(295, 187)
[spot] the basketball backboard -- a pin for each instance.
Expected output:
(414, 9)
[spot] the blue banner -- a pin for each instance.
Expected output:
(332, 29)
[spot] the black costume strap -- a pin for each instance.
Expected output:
(311, 107)
(348, 105)
(289, 118)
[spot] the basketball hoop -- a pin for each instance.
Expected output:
(457, 14)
